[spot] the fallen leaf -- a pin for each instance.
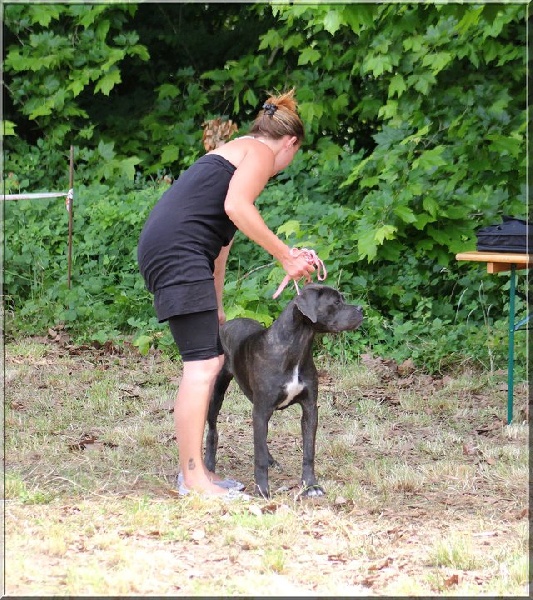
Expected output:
(337, 558)
(453, 580)
(469, 449)
(83, 442)
(56, 334)
(407, 367)
(522, 514)
(155, 533)
(489, 428)
(133, 391)
(394, 401)
(271, 508)
(368, 581)
(407, 382)
(382, 565)
(90, 442)
(69, 510)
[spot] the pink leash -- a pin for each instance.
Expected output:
(312, 258)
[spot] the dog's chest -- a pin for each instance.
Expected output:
(291, 389)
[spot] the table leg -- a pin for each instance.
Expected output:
(510, 362)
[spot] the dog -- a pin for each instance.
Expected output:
(274, 368)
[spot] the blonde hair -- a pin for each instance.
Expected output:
(279, 117)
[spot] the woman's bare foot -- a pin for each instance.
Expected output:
(202, 484)
(224, 483)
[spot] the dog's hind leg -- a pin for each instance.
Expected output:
(272, 462)
(211, 442)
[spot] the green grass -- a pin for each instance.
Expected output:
(426, 486)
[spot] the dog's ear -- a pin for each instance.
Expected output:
(306, 303)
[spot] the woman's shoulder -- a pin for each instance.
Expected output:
(235, 151)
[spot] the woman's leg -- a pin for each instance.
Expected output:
(197, 338)
(190, 413)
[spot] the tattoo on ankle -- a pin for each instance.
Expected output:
(192, 465)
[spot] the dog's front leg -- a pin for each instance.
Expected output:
(309, 426)
(261, 454)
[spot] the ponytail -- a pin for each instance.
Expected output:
(279, 117)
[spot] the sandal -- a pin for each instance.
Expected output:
(227, 484)
(231, 494)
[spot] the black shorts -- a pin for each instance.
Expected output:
(197, 335)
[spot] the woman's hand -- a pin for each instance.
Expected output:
(295, 270)
(297, 266)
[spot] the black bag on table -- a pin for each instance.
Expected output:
(513, 235)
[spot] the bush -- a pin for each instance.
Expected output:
(107, 291)
(441, 317)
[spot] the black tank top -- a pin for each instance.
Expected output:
(183, 235)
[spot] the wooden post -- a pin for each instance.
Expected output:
(70, 207)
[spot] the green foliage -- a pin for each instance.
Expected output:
(439, 320)
(107, 295)
(85, 47)
(442, 89)
(415, 127)
(84, 74)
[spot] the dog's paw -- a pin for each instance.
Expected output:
(313, 491)
(262, 492)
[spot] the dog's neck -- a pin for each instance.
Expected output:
(293, 329)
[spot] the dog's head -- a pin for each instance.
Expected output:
(327, 310)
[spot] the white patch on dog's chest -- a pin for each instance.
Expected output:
(292, 388)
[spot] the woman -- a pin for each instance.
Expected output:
(182, 256)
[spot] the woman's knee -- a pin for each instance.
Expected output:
(203, 371)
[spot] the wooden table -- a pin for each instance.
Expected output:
(496, 263)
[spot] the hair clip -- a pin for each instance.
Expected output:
(270, 109)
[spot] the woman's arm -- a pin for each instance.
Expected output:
(249, 180)
(219, 274)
